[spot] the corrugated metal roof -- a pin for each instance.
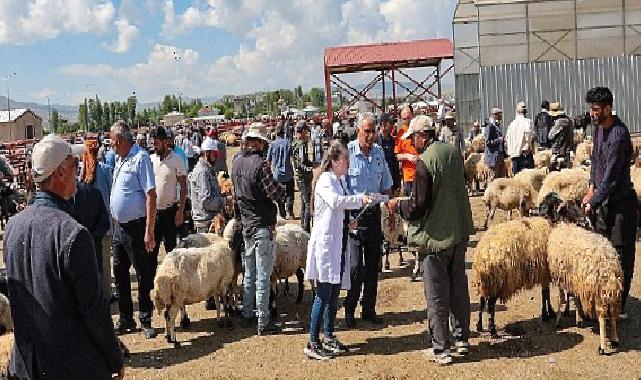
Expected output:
(401, 54)
(15, 113)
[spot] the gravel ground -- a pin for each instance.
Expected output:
(527, 347)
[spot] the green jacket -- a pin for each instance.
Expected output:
(449, 217)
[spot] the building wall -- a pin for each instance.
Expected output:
(565, 81)
(17, 130)
(468, 105)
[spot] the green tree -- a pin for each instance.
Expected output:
(131, 108)
(82, 116)
(106, 116)
(55, 121)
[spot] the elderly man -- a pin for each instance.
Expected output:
(404, 150)
(279, 155)
(368, 174)
(611, 194)
(62, 323)
(205, 194)
(440, 222)
(542, 125)
(133, 207)
(519, 140)
(256, 191)
(170, 176)
(494, 150)
(452, 135)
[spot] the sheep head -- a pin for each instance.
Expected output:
(555, 209)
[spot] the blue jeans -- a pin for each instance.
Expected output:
(259, 262)
(324, 309)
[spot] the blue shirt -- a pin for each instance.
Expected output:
(110, 158)
(179, 151)
(133, 177)
(280, 155)
(368, 175)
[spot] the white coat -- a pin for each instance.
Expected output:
(326, 241)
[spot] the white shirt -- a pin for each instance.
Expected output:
(167, 172)
(326, 243)
(519, 136)
(188, 147)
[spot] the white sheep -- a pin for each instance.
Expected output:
(290, 256)
(6, 322)
(394, 229)
(583, 153)
(508, 194)
(476, 171)
(542, 158)
(586, 264)
(534, 177)
(569, 184)
(197, 240)
(510, 257)
(191, 275)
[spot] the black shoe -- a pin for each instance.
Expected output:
(372, 318)
(247, 322)
(113, 299)
(350, 321)
(269, 329)
(210, 304)
(125, 326)
(316, 352)
(148, 331)
(334, 346)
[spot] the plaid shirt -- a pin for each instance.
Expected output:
(273, 190)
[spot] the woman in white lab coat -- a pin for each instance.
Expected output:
(325, 248)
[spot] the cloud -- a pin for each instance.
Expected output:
(82, 69)
(127, 33)
(27, 21)
(44, 93)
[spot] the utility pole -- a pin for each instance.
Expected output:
(7, 78)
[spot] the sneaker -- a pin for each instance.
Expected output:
(334, 346)
(441, 358)
(462, 348)
(269, 329)
(210, 304)
(372, 318)
(125, 326)
(149, 332)
(316, 352)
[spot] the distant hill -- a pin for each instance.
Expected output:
(68, 112)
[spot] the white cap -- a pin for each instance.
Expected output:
(420, 123)
(256, 131)
(140, 136)
(77, 149)
(47, 155)
(209, 144)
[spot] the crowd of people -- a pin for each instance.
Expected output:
(121, 197)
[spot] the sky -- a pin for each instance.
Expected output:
(67, 50)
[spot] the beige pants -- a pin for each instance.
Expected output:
(106, 265)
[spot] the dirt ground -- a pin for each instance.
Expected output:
(527, 347)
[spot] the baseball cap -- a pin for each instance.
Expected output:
(420, 123)
(209, 144)
(47, 155)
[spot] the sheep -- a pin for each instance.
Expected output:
(510, 257)
(508, 194)
(6, 346)
(6, 322)
(542, 158)
(478, 144)
(586, 264)
(476, 171)
(507, 168)
(534, 177)
(190, 275)
(583, 153)
(197, 240)
(222, 218)
(290, 256)
(579, 136)
(393, 233)
(569, 184)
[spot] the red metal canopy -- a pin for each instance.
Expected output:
(386, 58)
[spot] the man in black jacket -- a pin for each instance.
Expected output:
(63, 329)
(542, 125)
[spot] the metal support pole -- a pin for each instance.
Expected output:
(394, 91)
(438, 80)
(383, 83)
(328, 94)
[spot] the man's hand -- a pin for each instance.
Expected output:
(412, 158)
(120, 375)
(353, 225)
(229, 201)
(366, 200)
(180, 217)
(392, 206)
(150, 242)
(587, 208)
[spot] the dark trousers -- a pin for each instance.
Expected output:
(366, 273)
(305, 188)
(289, 191)
(524, 161)
(166, 230)
(128, 246)
(191, 162)
(447, 295)
(620, 227)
